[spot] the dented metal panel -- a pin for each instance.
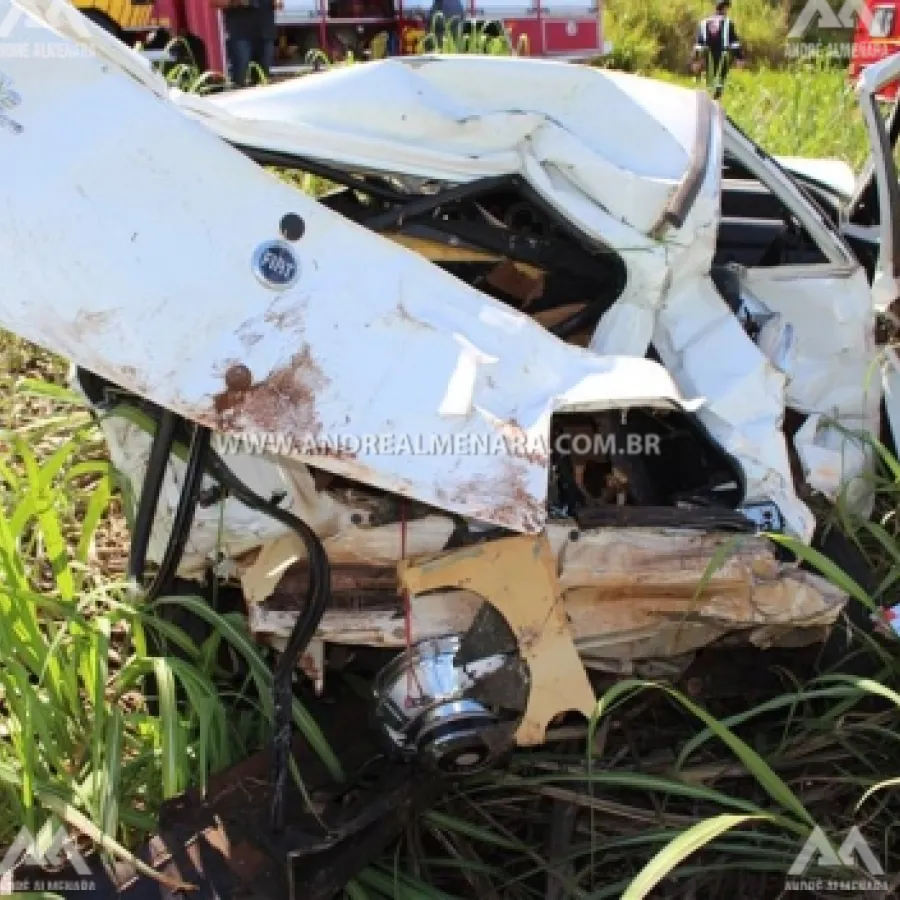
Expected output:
(249, 334)
(629, 594)
(517, 576)
(458, 118)
(384, 348)
(668, 295)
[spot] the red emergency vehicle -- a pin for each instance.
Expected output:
(876, 36)
(371, 29)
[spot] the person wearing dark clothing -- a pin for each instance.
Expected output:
(250, 36)
(446, 15)
(717, 44)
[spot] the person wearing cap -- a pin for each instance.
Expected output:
(716, 45)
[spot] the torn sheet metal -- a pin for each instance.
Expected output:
(652, 303)
(432, 358)
(833, 377)
(456, 118)
(707, 351)
(630, 594)
(668, 288)
(517, 576)
(389, 346)
(829, 309)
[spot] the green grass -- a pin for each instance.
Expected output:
(98, 712)
(650, 34)
(76, 665)
(794, 111)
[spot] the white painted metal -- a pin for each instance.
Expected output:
(463, 117)
(750, 429)
(875, 78)
(830, 307)
(113, 184)
(834, 174)
(126, 245)
(887, 287)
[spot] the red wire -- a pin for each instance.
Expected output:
(407, 606)
(407, 603)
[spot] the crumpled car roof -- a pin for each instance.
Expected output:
(458, 118)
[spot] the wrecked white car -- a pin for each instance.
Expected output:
(559, 339)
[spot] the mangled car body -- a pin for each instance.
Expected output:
(537, 345)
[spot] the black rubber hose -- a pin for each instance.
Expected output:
(203, 459)
(317, 595)
(184, 513)
(160, 451)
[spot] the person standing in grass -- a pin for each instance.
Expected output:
(716, 46)
(445, 16)
(250, 36)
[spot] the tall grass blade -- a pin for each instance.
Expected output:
(755, 764)
(674, 853)
(106, 842)
(825, 566)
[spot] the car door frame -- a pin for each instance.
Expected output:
(880, 175)
(840, 262)
(814, 297)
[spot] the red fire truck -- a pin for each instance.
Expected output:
(371, 29)
(876, 36)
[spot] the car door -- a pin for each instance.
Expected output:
(816, 284)
(876, 206)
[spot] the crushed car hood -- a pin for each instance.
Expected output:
(372, 340)
(127, 246)
(650, 192)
